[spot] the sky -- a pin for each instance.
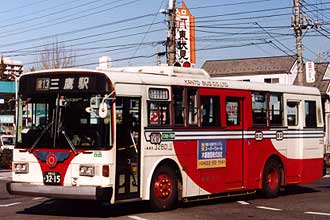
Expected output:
(132, 32)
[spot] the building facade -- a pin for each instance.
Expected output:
(9, 73)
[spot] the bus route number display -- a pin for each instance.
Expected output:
(158, 94)
(211, 154)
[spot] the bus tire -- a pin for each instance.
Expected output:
(271, 179)
(164, 189)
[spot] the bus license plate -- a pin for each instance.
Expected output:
(52, 178)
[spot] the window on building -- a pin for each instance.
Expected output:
(210, 106)
(275, 108)
(259, 109)
(310, 114)
(292, 113)
(233, 112)
(178, 106)
(192, 106)
(268, 80)
(159, 113)
(271, 80)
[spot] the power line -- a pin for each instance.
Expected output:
(154, 54)
(244, 12)
(91, 36)
(270, 35)
(229, 4)
(23, 6)
(48, 14)
(116, 47)
(241, 33)
(64, 21)
(148, 29)
(79, 30)
(97, 41)
(38, 12)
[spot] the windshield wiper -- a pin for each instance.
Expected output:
(69, 142)
(40, 136)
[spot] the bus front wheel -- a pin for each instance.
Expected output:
(271, 179)
(164, 189)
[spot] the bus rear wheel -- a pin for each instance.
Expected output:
(163, 189)
(271, 179)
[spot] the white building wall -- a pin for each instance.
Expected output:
(283, 78)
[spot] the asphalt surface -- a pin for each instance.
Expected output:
(310, 201)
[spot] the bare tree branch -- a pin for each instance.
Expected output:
(55, 56)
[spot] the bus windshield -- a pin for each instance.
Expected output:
(62, 121)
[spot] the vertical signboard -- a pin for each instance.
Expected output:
(310, 72)
(185, 37)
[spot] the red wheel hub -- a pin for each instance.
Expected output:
(163, 186)
(272, 179)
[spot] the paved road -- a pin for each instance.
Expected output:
(300, 202)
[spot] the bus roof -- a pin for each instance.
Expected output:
(194, 77)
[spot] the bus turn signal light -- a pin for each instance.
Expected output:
(105, 171)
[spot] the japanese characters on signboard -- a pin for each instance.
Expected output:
(211, 154)
(69, 83)
(310, 72)
(185, 37)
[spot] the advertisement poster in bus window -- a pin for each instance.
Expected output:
(211, 154)
(232, 112)
(157, 117)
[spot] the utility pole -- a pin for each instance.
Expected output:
(171, 41)
(297, 27)
(2, 68)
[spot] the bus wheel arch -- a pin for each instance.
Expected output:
(272, 176)
(165, 186)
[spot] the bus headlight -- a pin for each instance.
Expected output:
(21, 167)
(86, 170)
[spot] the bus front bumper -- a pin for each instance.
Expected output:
(63, 192)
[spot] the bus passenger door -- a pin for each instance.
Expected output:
(234, 118)
(128, 133)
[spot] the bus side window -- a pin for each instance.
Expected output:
(310, 114)
(192, 107)
(178, 106)
(275, 108)
(159, 113)
(259, 109)
(210, 107)
(292, 113)
(233, 112)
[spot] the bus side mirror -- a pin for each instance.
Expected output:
(103, 110)
(89, 110)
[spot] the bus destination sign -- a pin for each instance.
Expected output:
(63, 83)
(67, 83)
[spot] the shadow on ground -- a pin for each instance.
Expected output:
(79, 208)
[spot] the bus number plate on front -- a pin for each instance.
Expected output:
(52, 178)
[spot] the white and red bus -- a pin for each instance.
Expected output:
(164, 134)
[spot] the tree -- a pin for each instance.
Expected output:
(54, 56)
